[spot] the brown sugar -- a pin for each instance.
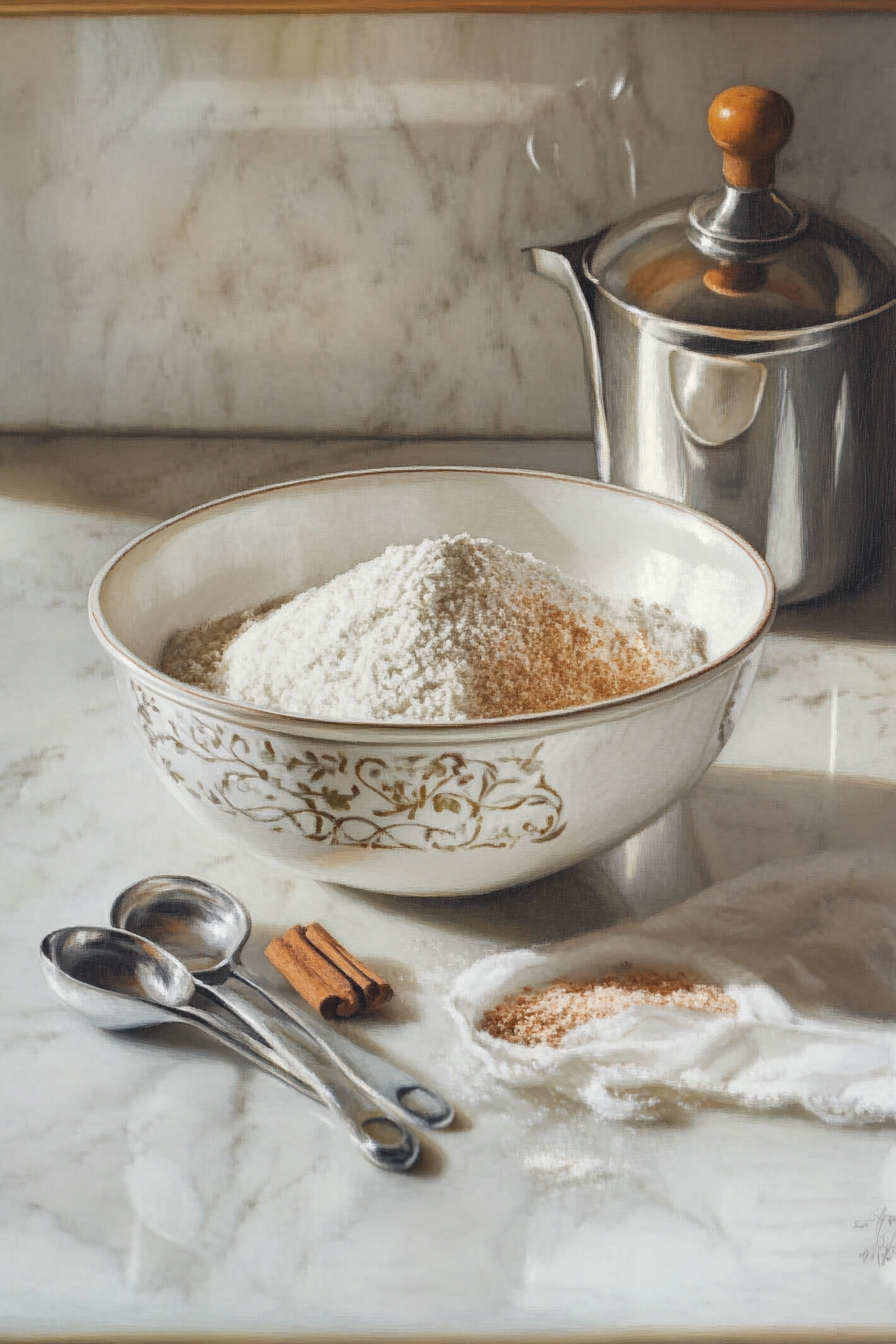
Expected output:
(555, 657)
(544, 1016)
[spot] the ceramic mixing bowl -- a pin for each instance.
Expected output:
(431, 809)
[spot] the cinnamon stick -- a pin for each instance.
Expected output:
(374, 989)
(315, 978)
(325, 974)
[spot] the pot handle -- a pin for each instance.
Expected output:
(715, 399)
(563, 265)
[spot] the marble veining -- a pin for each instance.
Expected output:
(151, 1183)
(315, 224)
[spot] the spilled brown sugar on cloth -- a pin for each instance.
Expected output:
(544, 1016)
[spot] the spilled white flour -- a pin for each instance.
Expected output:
(449, 629)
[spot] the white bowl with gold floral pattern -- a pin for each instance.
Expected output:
(431, 809)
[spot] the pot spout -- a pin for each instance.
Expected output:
(563, 265)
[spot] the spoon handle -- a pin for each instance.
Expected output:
(383, 1140)
(244, 1045)
(380, 1079)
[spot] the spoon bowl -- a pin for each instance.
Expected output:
(199, 923)
(117, 980)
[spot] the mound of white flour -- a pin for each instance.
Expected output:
(449, 629)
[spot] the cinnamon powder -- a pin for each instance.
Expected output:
(544, 1016)
(554, 657)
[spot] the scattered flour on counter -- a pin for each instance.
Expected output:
(452, 629)
(569, 1168)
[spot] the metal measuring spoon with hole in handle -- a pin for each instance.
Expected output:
(297, 1058)
(121, 981)
(207, 928)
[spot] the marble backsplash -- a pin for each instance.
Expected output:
(314, 225)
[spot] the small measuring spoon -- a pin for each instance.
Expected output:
(207, 928)
(120, 980)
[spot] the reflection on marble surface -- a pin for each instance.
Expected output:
(151, 1183)
(314, 223)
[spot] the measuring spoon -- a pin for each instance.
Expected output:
(120, 980)
(207, 928)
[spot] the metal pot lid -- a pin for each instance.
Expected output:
(746, 257)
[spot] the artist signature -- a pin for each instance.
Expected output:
(882, 1225)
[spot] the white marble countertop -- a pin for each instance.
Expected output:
(151, 1185)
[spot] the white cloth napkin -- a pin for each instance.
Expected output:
(806, 948)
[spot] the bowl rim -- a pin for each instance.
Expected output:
(410, 731)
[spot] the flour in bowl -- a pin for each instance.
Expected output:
(453, 628)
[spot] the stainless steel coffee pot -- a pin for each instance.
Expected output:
(739, 352)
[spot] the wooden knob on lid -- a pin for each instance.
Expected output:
(750, 125)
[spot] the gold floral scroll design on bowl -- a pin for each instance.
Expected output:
(372, 801)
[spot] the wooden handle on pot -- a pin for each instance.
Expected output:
(750, 125)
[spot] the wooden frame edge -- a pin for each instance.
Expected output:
(100, 8)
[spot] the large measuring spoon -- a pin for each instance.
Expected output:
(207, 928)
(120, 980)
